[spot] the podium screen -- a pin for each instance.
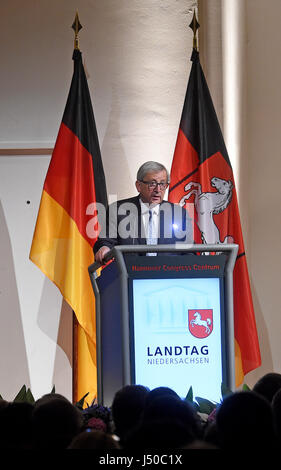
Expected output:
(177, 337)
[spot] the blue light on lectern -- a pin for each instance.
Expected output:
(177, 335)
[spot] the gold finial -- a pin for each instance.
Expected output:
(76, 26)
(194, 25)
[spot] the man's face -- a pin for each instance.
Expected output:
(149, 194)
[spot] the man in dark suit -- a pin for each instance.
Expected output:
(145, 219)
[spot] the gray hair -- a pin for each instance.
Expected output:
(151, 167)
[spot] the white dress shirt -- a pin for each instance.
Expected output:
(145, 208)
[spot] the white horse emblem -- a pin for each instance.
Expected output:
(197, 320)
(207, 204)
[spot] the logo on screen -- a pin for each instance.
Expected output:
(200, 322)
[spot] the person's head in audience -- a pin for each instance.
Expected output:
(168, 421)
(3, 403)
(94, 440)
(160, 392)
(50, 396)
(244, 421)
(127, 408)
(15, 425)
(55, 422)
(174, 409)
(268, 385)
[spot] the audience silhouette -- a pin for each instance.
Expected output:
(244, 421)
(55, 423)
(147, 419)
(167, 421)
(268, 385)
(127, 408)
(16, 425)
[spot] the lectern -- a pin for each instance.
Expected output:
(165, 320)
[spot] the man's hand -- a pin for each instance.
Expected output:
(100, 254)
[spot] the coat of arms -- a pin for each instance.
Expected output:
(200, 322)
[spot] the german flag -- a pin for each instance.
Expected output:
(201, 174)
(65, 231)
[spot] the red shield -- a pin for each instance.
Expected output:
(200, 322)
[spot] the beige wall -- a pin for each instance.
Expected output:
(264, 144)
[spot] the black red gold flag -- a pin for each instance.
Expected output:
(62, 245)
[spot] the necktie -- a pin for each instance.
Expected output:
(152, 238)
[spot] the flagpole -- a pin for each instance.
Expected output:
(194, 25)
(76, 26)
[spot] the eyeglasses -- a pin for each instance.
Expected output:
(154, 184)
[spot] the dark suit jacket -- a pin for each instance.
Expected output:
(123, 225)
